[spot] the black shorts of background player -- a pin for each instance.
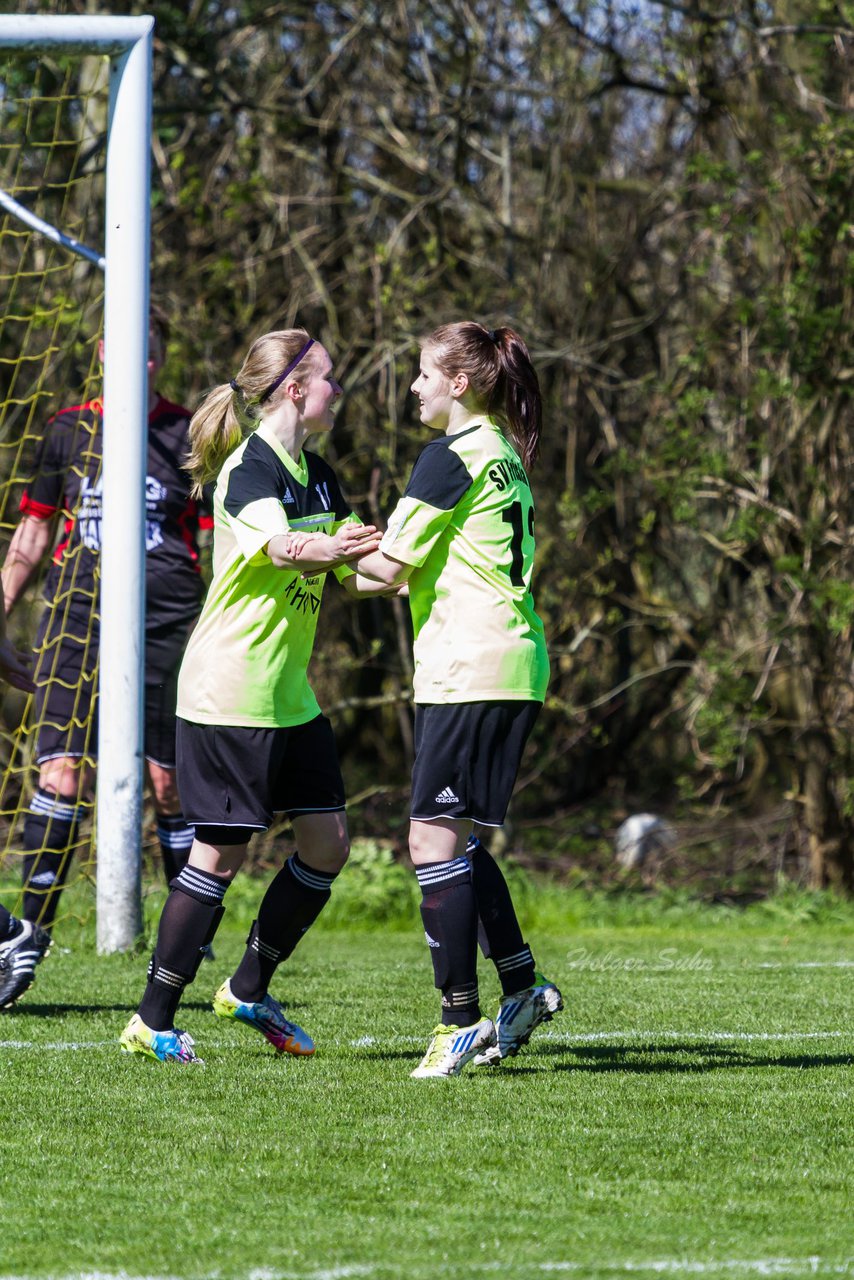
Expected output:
(66, 487)
(251, 737)
(462, 536)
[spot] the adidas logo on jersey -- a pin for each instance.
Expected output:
(289, 497)
(446, 796)
(431, 942)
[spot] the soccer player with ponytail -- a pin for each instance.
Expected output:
(462, 536)
(251, 738)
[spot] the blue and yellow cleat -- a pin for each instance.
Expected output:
(165, 1046)
(265, 1016)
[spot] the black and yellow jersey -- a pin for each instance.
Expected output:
(466, 525)
(246, 662)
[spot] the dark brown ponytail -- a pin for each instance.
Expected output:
(500, 373)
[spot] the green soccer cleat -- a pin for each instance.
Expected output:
(265, 1016)
(452, 1047)
(518, 1016)
(164, 1046)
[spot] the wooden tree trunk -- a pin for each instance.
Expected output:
(831, 849)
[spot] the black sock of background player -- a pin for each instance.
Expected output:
(50, 832)
(176, 841)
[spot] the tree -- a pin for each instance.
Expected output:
(658, 196)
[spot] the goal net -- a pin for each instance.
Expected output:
(66, 85)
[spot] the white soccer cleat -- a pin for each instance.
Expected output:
(452, 1047)
(518, 1016)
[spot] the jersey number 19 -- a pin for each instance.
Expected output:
(514, 516)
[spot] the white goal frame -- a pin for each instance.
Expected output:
(128, 44)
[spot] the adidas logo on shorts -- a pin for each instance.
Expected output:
(446, 796)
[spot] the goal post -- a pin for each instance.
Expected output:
(128, 44)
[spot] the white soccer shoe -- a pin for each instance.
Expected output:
(518, 1016)
(452, 1047)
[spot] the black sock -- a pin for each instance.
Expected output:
(50, 831)
(189, 921)
(449, 913)
(176, 841)
(498, 927)
(292, 903)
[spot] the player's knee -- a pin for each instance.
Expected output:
(331, 858)
(164, 786)
(64, 776)
(425, 847)
(323, 840)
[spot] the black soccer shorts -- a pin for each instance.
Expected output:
(467, 756)
(236, 776)
(66, 696)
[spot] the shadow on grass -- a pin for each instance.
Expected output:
(413, 1055)
(676, 1057)
(672, 1058)
(626, 1060)
(31, 1008)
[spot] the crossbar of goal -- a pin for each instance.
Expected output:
(128, 44)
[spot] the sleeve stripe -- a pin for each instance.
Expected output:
(40, 510)
(439, 478)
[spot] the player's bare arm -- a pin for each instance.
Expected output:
(317, 552)
(29, 544)
(356, 585)
(378, 566)
(15, 666)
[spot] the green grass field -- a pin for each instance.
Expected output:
(689, 1113)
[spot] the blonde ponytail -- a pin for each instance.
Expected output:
(215, 432)
(233, 410)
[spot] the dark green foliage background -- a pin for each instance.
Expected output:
(659, 197)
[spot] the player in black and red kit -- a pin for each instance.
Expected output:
(68, 485)
(17, 946)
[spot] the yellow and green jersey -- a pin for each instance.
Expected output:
(247, 659)
(466, 524)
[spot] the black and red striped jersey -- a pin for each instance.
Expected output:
(68, 482)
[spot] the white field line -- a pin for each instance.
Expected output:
(813, 1266)
(694, 1035)
(674, 966)
(367, 1042)
(810, 1266)
(644, 1037)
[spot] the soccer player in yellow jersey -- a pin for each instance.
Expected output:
(462, 536)
(251, 738)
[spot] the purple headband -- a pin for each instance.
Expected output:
(288, 369)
